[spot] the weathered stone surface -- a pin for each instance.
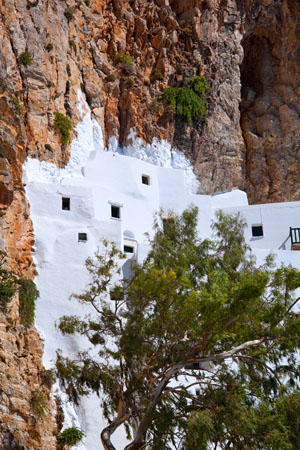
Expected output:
(20, 374)
(270, 118)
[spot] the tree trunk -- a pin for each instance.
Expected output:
(110, 429)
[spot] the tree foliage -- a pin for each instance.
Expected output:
(200, 348)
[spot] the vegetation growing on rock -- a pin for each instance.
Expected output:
(17, 105)
(25, 59)
(68, 15)
(8, 284)
(28, 294)
(63, 126)
(39, 403)
(124, 59)
(70, 436)
(187, 101)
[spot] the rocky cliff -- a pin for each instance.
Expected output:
(122, 54)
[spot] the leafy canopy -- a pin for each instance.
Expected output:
(199, 348)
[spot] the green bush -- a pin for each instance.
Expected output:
(48, 377)
(199, 85)
(28, 294)
(63, 126)
(154, 107)
(187, 101)
(8, 284)
(110, 78)
(32, 4)
(129, 83)
(157, 75)
(17, 105)
(68, 15)
(25, 59)
(49, 47)
(38, 403)
(70, 436)
(122, 58)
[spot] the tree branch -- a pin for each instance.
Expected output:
(139, 439)
(111, 428)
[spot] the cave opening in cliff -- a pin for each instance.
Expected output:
(257, 72)
(258, 112)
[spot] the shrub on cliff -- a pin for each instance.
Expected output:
(70, 436)
(28, 294)
(8, 284)
(25, 59)
(187, 101)
(39, 403)
(122, 58)
(68, 15)
(63, 126)
(198, 350)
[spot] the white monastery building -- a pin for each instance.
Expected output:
(114, 194)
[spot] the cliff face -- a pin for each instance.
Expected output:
(249, 52)
(23, 390)
(271, 106)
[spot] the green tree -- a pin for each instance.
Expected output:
(199, 348)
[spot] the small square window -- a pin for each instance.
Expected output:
(257, 230)
(82, 237)
(146, 180)
(65, 203)
(115, 211)
(128, 249)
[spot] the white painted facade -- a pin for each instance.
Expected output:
(94, 181)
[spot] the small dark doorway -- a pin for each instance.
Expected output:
(65, 203)
(115, 212)
(82, 237)
(146, 180)
(257, 230)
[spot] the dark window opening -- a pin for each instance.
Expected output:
(128, 249)
(82, 237)
(146, 179)
(65, 203)
(257, 231)
(115, 212)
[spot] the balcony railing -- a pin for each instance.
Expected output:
(295, 235)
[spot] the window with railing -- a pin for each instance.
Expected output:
(295, 235)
